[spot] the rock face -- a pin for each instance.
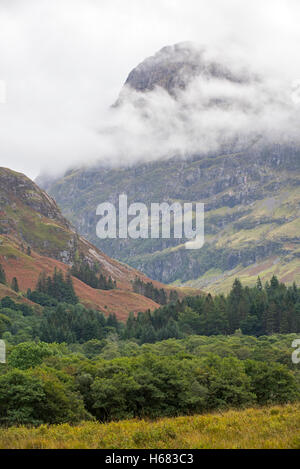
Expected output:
(175, 66)
(251, 193)
(24, 190)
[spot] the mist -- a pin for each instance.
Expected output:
(64, 63)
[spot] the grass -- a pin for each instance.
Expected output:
(276, 427)
(287, 270)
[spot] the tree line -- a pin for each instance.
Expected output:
(259, 310)
(159, 295)
(92, 276)
(49, 384)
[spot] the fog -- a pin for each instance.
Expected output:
(64, 62)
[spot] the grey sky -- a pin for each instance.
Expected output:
(65, 61)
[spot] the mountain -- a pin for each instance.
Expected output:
(35, 237)
(250, 184)
(174, 67)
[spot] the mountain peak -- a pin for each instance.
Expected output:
(174, 66)
(18, 187)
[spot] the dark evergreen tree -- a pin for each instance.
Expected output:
(15, 285)
(173, 297)
(57, 287)
(2, 275)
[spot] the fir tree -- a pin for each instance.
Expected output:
(2, 275)
(259, 284)
(14, 285)
(70, 296)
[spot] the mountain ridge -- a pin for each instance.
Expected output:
(35, 237)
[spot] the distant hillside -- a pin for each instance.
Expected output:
(252, 204)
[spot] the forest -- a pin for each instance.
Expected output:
(67, 363)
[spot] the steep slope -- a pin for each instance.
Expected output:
(250, 187)
(35, 237)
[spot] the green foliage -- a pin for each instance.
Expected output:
(92, 276)
(57, 287)
(4, 323)
(118, 379)
(21, 395)
(74, 323)
(149, 291)
(186, 357)
(15, 285)
(271, 382)
(154, 386)
(39, 396)
(30, 354)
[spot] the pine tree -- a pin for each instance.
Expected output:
(14, 285)
(259, 284)
(110, 284)
(130, 326)
(162, 297)
(269, 318)
(2, 275)
(296, 318)
(173, 296)
(148, 335)
(239, 305)
(112, 321)
(41, 286)
(70, 296)
(274, 284)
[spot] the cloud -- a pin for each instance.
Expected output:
(65, 61)
(210, 114)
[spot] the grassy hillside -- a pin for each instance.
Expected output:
(276, 427)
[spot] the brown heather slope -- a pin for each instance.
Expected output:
(30, 218)
(27, 269)
(17, 298)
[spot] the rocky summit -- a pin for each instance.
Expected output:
(175, 66)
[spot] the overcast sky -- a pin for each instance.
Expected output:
(64, 62)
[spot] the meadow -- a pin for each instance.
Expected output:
(274, 427)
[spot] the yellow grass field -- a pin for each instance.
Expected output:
(266, 428)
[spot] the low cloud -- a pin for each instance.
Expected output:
(209, 115)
